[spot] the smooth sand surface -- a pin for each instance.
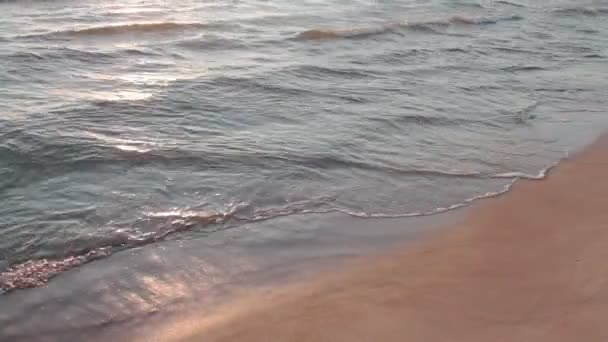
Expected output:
(531, 265)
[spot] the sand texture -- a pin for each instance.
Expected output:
(531, 265)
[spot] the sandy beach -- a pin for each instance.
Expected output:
(526, 266)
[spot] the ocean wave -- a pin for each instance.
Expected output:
(62, 53)
(431, 121)
(581, 11)
(82, 55)
(542, 174)
(210, 42)
(70, 55)
(509, 3)
(435, 211)
(37, 272)
(55, 156)
(24, 56)
(428, 25)
(594, 55)
(522, 175)
(513, 176)
(121, 29)
(316, 71)
(517, 68)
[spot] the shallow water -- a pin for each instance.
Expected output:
(127, 123)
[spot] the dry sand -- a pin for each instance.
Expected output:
(531, 265)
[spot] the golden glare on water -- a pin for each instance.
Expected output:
(101, 95)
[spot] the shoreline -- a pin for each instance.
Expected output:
(513, 268)
(125, 295)
(136, 291)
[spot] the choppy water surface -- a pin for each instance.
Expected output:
(124, 123)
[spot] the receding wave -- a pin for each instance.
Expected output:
(121, 29)
(428, 25)
(37, 272)
(433, 211)
(514, 176)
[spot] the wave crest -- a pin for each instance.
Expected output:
(428, 25)
(582, 11)
(135, 28)
(121, 29)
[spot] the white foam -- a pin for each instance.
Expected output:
(434, 211)
(522, 175)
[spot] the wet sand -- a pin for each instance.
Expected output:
(531, 265)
